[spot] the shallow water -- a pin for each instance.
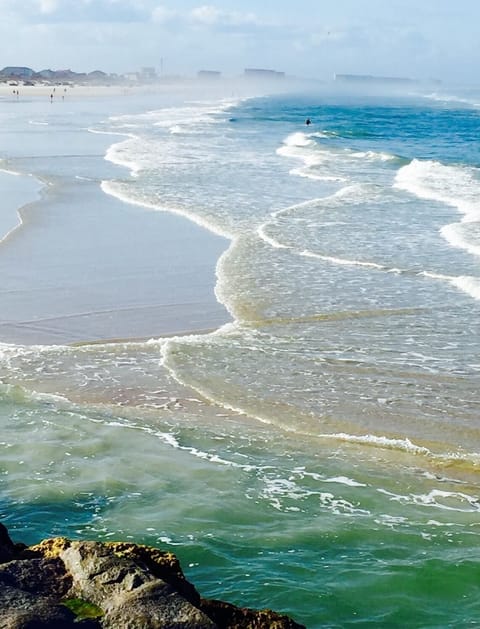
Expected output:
(318, 452)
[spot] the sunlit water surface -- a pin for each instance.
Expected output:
(319, 453)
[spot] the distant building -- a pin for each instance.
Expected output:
(367, 78)
(209, 74)
(132, 77)
(97, 75)
(148, 74)
(260, 73)
(17, 72)
(69, 75)
(46, 74)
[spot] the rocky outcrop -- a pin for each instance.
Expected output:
(61, 583)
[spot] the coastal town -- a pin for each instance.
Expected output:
(25, 76)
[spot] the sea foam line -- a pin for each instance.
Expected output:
(261, 231)
(20, 221)
(347, 262)
(467, 284)
(406, 445)
(459, 501)
(384, 442)
(112, 188)
(452, 185)
(108, 187)
(301, 146)
(389, 443)
(450, 98)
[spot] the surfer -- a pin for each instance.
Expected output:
(308, 121)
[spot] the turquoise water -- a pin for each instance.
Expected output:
(318, 453)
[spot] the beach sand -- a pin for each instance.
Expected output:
(43, 92)
(83, 266)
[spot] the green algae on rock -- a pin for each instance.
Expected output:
(61, 582)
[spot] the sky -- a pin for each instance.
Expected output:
(421, 39)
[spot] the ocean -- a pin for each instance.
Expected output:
(252, 342)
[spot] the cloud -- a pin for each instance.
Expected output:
(48, 6)
(211, 15)
(208, 16)
(65, 11)
(163, 15)
(307, 38)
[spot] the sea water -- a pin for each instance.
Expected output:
(318, 452)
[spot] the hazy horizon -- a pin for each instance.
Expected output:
(400, 38)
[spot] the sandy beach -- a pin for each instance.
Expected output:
(173, 90)
(79, 265)
(42, 91)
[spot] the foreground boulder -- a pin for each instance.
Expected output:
(61, 583)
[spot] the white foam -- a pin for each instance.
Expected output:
(356, 193)
(170, 440)
(103, 132)
(385, 442)
(112, 188)
(298, 139)
(390, 520)
(268, 239)
(452, 98)
(281, 492)
(444, 500)
(456, 236)
(466, 283)
(301, 172)
(324, 163)
(301, 146)
(16, 222)
(190, 117)
(457, 186)
(8, 171)
(438, 276)
(374, 156)
(119, 154)
(469, 285)
(345, 261)
(344, 480)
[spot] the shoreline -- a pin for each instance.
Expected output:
(12, 219)
(43, 91)
(144, 339)
(167, 291)
(182, 88)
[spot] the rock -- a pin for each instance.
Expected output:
(155, 605)
(22, 610)
(42, 577)
(63, 583)
(162, 564)
(126, 589)
(7, 547)
(229, 616)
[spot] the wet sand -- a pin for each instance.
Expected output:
(83, 266)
